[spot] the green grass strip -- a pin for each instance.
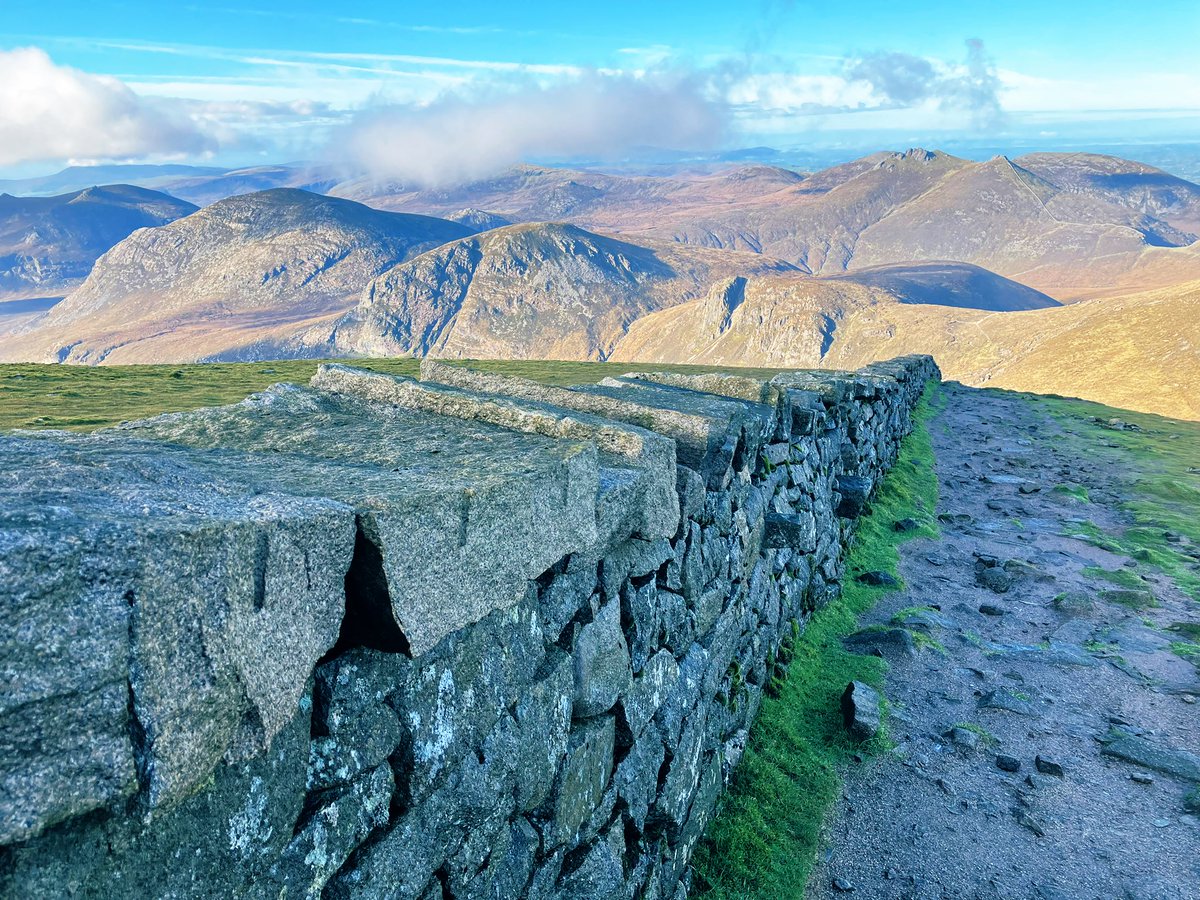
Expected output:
(764, 839)
(84, 398)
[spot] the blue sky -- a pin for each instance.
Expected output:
(271, 81)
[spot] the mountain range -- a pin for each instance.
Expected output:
(231, 276)
(1012, 271)
(49, 244)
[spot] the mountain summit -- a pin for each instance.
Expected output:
(228, 276)
(49, 244)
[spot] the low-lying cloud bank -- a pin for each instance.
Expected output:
(457, 138)
(48, 111)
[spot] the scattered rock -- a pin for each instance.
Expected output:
(1027, 821)
(1057, 654)
(842, 886)
(1002, 479)
(860, 710)
(1029, 488)
(989, 609)
(1142, 752)
(994, 579)
(1073, 602)
(878, 579)
(906, 525)
(1021, 568)
(1048, 766)
(1005, 700)
(1142, 778)
(889, 643)
(1037, 782)
(955, 518)
(924, 619)
(1008, 763)
(963, 737)
(1133, 598)
(935, 560)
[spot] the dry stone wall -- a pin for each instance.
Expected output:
(462, 637)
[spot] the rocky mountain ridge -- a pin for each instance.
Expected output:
(48, 245)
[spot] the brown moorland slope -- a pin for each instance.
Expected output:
(1140, 351)
(225, 277)
(1072, 225)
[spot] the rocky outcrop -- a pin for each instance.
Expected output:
(468, 636)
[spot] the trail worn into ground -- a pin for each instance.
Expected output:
(1047, 738)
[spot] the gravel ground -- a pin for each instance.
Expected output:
(1043, 747)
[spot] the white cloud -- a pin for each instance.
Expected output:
(52, 112)
(901, 80)
(457, 138)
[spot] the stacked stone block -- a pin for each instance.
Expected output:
(468, 636)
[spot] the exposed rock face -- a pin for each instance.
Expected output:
(385, 638)
(224, 280)
(795, 320)
(526, 292)
(48, 244)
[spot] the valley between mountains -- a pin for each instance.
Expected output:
(1075, 274)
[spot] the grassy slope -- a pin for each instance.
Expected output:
(1160, 464)
(83, 398)
(764, 839)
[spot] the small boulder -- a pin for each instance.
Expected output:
(890, 643)
(1027, 821)
(989, 609)
(995, 579)
(1073, 602)
(1008, 763)
(878, 579)
(963, 737)
(1048, 766)
(860, 710)
(906, 525)
(1133, 598)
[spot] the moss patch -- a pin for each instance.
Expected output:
(764, 839)
(1124, 578)
(1074, 491)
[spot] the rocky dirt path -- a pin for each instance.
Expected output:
(1046, 736)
